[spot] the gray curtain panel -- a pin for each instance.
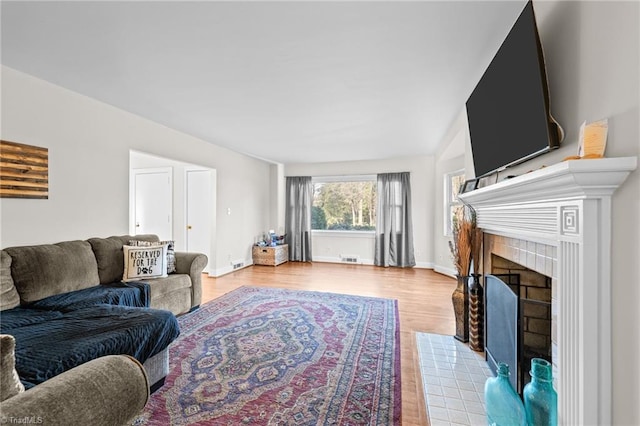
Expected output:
(298, 217)
(394, 230)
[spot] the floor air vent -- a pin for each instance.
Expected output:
(350, 259)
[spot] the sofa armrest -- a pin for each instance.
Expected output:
(192, 264)
(107, 390)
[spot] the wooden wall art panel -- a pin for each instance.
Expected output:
(24, 171)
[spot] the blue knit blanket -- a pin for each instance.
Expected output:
(66, 331)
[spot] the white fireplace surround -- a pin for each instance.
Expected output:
(568, 206)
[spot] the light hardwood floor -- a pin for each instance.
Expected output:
(424, 304)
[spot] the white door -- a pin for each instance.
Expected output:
(199, 215)
(152, 203)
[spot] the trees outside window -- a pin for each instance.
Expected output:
(344, 205)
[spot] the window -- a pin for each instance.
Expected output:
(344, 203)
(452, 183)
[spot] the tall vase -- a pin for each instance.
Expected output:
(476, 313)
(504, 406)
(460, 299)
(540, 399)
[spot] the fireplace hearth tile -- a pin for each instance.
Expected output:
(438, 413)
(455, 404)
(461, 376)
(476, 419)
(465, 385)
(449, 393)
(471, 396)
(434, 390)
(475, 408)
(454, 391)
(448, 382)
(432, 380)
(478, 378)
(436, 401)
(458, 417)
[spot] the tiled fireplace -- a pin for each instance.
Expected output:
(557, 221)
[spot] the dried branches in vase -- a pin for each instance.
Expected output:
(464, 230)
(464, 249)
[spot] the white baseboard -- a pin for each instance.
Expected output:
(228, 269)
(445, 271)
(328, 259)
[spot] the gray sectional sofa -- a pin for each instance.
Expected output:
(46, 289)
(110, 390)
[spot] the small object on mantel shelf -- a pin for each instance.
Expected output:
(592, 141)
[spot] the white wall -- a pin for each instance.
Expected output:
(449, 158)
(333, 246)
(592, 52)
(89, 144)
(327, 248)
(278, 200)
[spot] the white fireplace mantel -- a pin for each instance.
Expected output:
(568, 205)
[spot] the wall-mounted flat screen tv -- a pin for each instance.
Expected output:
(508, 111)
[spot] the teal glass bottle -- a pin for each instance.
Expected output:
(540, 399)
(503, 404)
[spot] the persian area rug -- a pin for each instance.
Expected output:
(260, 356)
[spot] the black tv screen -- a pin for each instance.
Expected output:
(508, 111)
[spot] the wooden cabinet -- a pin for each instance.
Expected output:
(270, 256)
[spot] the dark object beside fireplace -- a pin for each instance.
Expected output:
(504, 331)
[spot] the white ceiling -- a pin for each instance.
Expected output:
(283, 81)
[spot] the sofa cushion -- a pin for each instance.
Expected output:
(10, 384)
(9, 297)
(161, 286)
(110, 257)
(48, 269)
(143, 263)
